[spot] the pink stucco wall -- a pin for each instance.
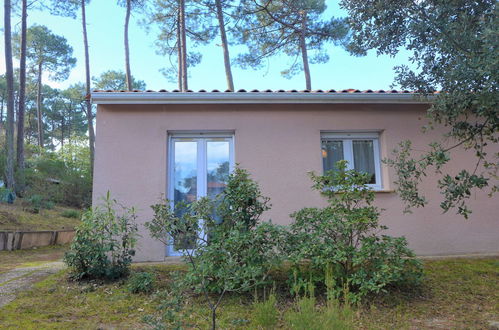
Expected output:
(279, 144)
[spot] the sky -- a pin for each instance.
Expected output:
(105, 33)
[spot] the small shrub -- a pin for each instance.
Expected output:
(304, 315)
(141, 282)
(35, 203)
(71, 214)
(266, 314)
(104, 242)
(345, 236)
(6, 195)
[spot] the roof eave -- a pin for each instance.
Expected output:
(253, 98)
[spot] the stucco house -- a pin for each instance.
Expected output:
(179, 144)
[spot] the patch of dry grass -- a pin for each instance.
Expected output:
(15, 217)
(24, 258)
(457, 293)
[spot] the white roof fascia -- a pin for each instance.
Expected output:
(251, 98)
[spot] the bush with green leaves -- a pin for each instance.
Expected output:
(62, 177)
(232, 252)
(104, 243)
(35, 203)
(141, 282)
(346, 235)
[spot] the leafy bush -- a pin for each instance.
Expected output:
(141, 282)
(35, 203)
(104, 242)
(6, 195)
(345, 236)
(71, 214)
(231, 252)
(236, 253)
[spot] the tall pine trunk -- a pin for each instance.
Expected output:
(127, 49)
(183, 45)
(88, 105)
(22, 88)
(179, 53)
(4, 96)
(9, 71)
(39, 117)
(304, 53)
(225, 45)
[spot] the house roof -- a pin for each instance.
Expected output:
(256, 96)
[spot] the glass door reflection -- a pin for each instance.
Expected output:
(199, 167)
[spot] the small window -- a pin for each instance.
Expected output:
(361, 150)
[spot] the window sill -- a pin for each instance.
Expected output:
(384, 191)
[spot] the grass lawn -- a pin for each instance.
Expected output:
(457, 293)
(24, 258)
(15, 217)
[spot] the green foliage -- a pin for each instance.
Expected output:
(241, 203)
(171, 306)
(71, 214)
(199, 31)
(116, 80)
(346, 236)
(454, 47)
(306, 315)
(104, 243)
(7, 195)
(46, 50)
(266, 313)
(62, 177)
(141, 282)
(35, 203)
(235, 255)
(277, 27)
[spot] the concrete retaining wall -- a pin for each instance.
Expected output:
(29, 239)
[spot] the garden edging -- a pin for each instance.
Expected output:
(20, 240)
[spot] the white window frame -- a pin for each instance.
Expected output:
(347, 138)
(202, 165)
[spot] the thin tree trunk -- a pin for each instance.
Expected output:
(90, 119)
(62, 128)
(30, 128)
(183, 44)
(69, 122)
(304, 54)
(22, 88)
(225, 45)
(1, 113)
(9, 71)
(127, 49)
(39, 106)
(179, 53)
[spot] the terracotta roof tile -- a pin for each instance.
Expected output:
(342, 91)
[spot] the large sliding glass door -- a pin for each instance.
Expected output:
(199, 166)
